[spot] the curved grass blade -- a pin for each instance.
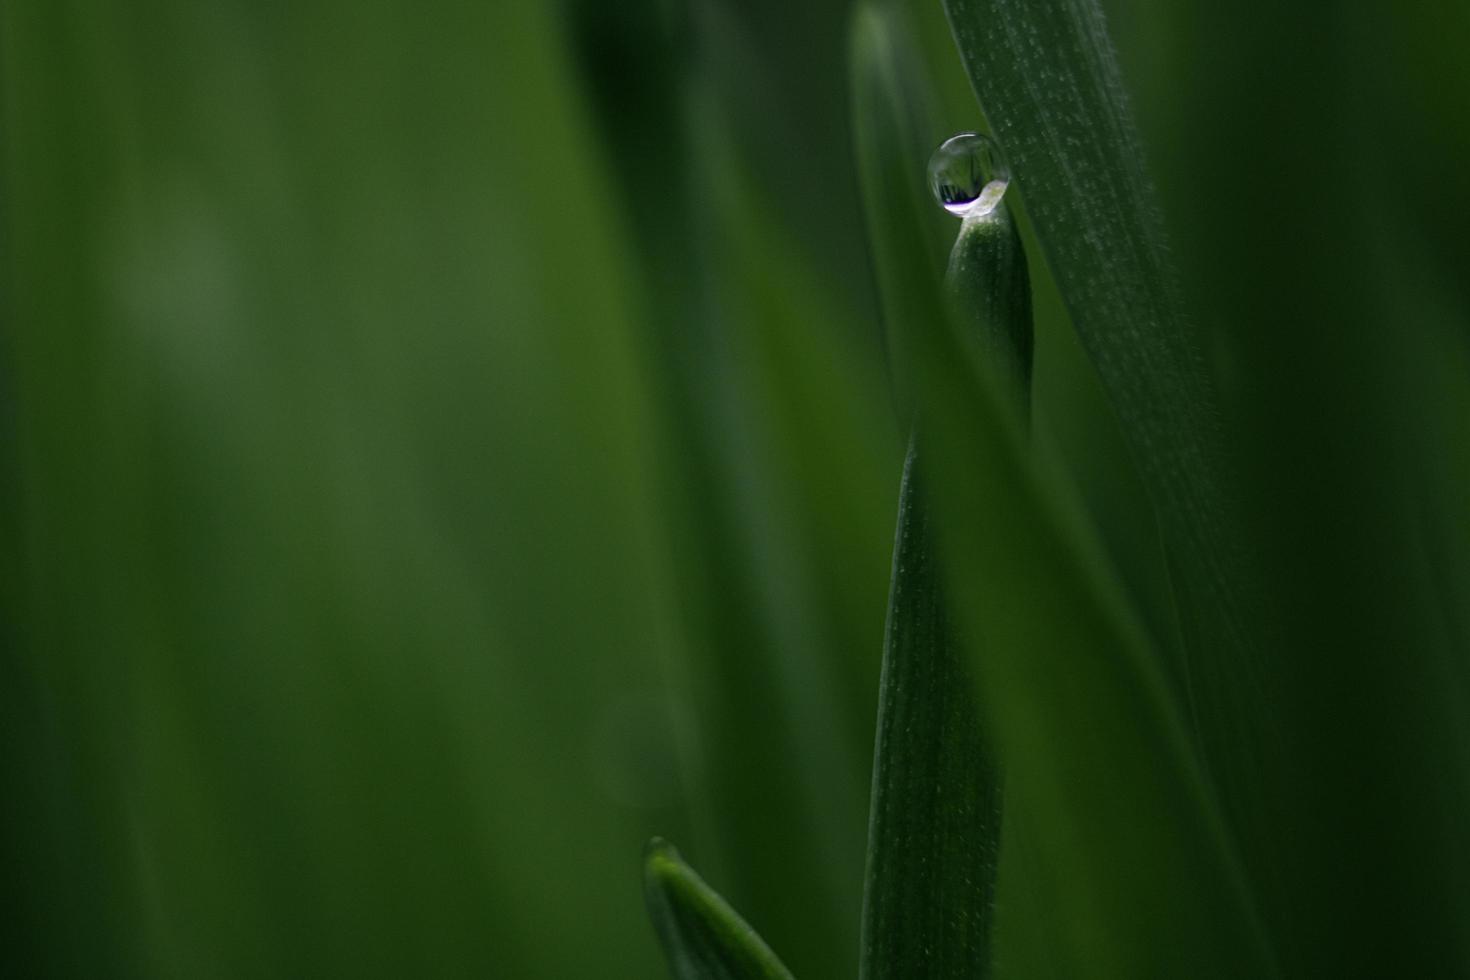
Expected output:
(702, 936)
(934, 826)
(1126, 851)
(989, 291)
(1048, 81)
(1141, 878)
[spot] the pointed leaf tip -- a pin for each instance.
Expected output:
(703, 938)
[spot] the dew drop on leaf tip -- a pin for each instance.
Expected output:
(968, 174)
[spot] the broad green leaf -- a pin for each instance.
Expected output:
(1142, 880)
(1049, 85)
(1125, 848)
(702, 936)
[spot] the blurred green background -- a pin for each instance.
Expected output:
(444, 445)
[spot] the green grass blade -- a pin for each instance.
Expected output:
(934, 832)
(1141, 879)
(934, 819)
(1049, 84)
(989, 291)
(1126, 851)
(702, 936)
(933, 845)
(934, 838)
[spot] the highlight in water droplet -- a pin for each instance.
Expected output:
(968, 174)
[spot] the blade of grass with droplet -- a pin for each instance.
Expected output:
(702, 936)
(933, 838)
(1130, 857)
(1049, 85)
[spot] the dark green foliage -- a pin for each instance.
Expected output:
(1123, 841)
(1049, 83)
(1119, 838)
(443, 445)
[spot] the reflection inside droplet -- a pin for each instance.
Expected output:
(968, 174)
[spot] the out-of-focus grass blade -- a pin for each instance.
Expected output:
(339, 581)
(891, 129)
(703, 937)
(795, 407)
(1049, 84)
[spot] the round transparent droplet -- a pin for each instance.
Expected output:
(963, 168)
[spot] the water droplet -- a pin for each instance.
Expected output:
(968, 174)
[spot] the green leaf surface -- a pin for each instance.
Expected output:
(933, 846)
(934, 831)
(1145, 882)
(1049, 84)
(989, 292)
(934, 822)
(1126, 852)
(702, 936)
